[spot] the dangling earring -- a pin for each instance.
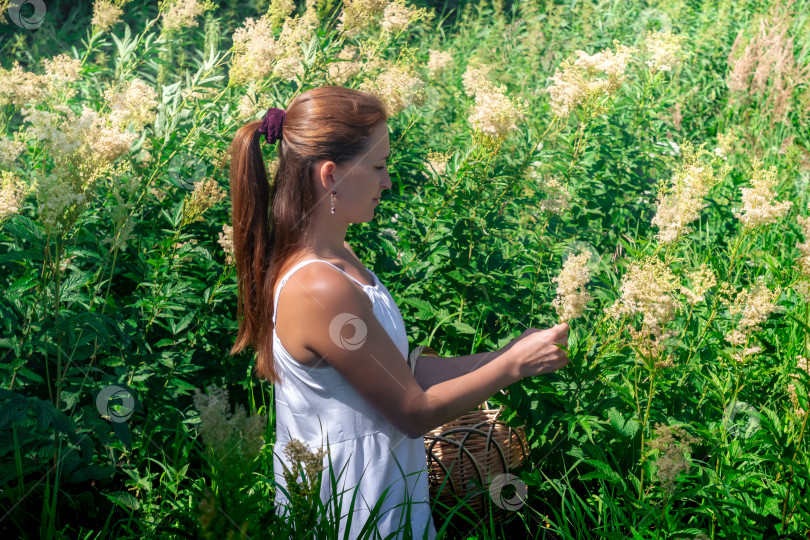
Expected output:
(333, 201)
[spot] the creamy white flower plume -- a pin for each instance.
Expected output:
(438, 62)
(759, 200)
(664, 49)
(398, 87)
(681, 201)
(572, 298)
(576, 83)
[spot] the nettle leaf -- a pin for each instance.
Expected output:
(464, 328)
(603, 472)
(627, 427)
(424, 308)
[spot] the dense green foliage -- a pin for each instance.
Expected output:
(132, 289)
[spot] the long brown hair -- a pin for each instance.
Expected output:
(329, 122)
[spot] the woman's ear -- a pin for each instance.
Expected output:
(325, 174)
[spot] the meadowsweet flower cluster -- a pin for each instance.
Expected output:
(347, 65)
(437, 162)
(681, 201)
(702, 280)
(391, 233)
(272, 168)
(674, 446)
(754, 304)
(648, 289)
(576, 83)
(184, 13)
(794, 399)
(134, 104)
(63, 68)
(257, 53)
(572, 298)
(254, 51)
(23, 88)
(438, 62)
(248, 105)
(82, 147)
(475, 78)
(557, 197)
(13, 191)
(226, 241)
(725, 144)
(278, 10)
(105, 15)
(198, 93)
(612, 64)
(10, 150)
(234, 439)
(303, 481)
(19, 87)
(397, 17)
(296, 30)
(759, 201)
(206, 194)
(494, 114)
(665, 50)
(398, 87)
(359, 14)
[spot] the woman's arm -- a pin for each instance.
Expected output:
(431, 370)
(374, 367)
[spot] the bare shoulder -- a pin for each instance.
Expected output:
(313, 296)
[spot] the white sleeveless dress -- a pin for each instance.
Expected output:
(314, 404)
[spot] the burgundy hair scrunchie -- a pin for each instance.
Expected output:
(272, 123)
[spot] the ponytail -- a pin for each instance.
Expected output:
(252, 241)
(329, 122)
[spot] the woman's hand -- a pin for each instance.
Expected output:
(538, 351)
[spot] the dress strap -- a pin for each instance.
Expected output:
(296, 267)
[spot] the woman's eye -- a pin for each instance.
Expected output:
(380, 168)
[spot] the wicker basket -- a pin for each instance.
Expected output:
(466, 454)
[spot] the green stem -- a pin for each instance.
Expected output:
(57, 282)
(155, 310)
(798, 444)
(643, 427)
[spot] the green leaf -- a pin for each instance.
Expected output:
(603, 472)
(464, 328)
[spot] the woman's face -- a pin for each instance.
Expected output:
(359, 182)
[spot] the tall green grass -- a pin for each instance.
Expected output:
(137, 293)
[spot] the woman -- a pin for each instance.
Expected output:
(338, 351)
